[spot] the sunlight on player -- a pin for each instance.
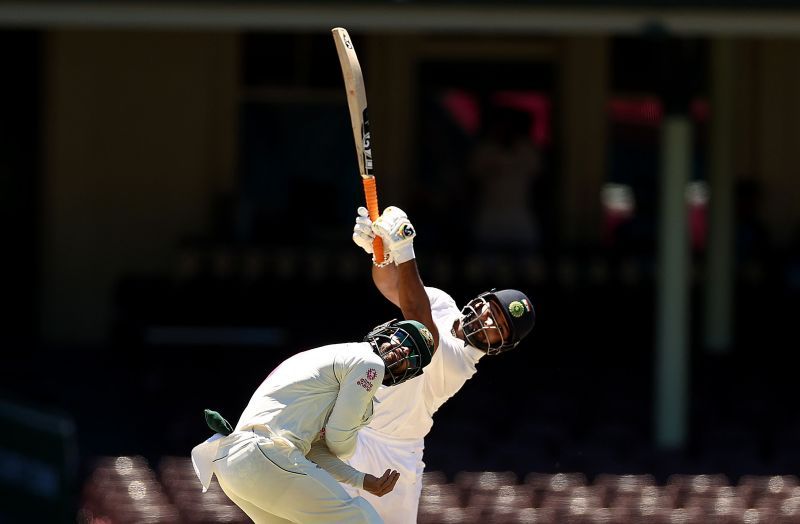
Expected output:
(491, 323)
(282, 461)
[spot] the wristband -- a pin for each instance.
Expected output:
(387, 259)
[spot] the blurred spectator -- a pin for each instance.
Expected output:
(505, 164)
(619, 206)
(697, 209)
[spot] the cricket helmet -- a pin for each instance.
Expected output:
(516, 309)
(408, 334)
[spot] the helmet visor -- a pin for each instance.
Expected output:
(484, 325)
(399, 352)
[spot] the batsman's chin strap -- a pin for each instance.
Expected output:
(217, 423)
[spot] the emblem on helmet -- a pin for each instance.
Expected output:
(427, 336)
(516, 308)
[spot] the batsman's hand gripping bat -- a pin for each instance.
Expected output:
(359, 120)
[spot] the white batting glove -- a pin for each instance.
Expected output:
(363, 236)
(362, 232)
(397, 233)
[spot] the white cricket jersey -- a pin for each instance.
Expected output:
(328, 387)
(405, 411)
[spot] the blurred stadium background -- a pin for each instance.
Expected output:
(177, 187)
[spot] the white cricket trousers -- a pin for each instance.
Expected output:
(376, 452)
(275, 484)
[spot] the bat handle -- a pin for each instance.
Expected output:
(371, 193)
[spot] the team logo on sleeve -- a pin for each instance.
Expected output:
(366, 382)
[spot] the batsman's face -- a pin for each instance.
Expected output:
(495, 327)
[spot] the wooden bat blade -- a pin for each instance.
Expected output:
(356, 99)
(359, 121)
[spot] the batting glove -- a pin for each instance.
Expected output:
(363, 236)
(397, 233)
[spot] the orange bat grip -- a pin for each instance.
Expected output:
(371, 193)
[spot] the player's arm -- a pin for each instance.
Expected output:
(387, 280)
(398, 235)
(414, 302)
(399, 281)
(320, 455)
(346, 474)
(353, 406)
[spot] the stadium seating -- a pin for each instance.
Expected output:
(128, 490)
(579, 444)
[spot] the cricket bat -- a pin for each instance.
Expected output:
(359, 120)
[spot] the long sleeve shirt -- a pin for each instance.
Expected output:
(329, 387)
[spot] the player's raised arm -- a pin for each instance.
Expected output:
(394, 227)
(387, 282)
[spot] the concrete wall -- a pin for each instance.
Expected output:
(140, 132)
(139, 120)
(776, 131)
